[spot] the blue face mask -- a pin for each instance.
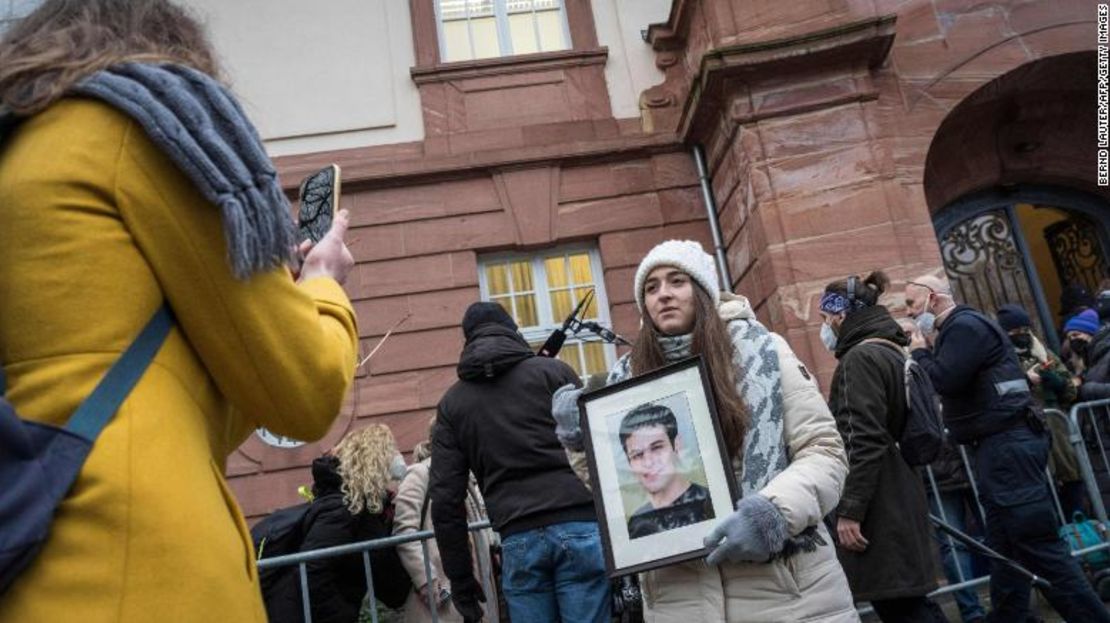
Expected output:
(397, 468)
(926, 323)
(828, 337)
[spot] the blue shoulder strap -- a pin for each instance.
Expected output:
(99, 408)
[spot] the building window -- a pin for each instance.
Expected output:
(474, 29)
(541, 290)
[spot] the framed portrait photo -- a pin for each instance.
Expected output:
(659, 467)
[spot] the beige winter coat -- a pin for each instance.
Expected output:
(810, 586)
(407, 505)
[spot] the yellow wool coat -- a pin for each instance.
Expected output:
(98, 228)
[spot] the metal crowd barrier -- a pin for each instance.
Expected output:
(302, 559)
(1090, 417)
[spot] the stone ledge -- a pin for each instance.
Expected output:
(503, 65)
(864, 44)
(364, 174)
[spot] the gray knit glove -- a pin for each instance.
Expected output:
(754, 533)
(568, 427)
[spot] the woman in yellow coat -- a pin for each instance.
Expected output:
(100, 227)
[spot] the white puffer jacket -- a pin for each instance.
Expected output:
(810, 586)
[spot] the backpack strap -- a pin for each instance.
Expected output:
(101, 405)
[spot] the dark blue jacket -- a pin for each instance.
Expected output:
(978, 376)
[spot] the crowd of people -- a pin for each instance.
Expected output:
(120, 147)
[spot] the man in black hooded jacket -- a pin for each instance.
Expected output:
(496, 422)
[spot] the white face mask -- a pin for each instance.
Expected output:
(398, 469)
(926, 321)
(828, 337)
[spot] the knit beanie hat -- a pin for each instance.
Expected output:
(1012, 317)
(482, 313)
(1085, 321)
(685, 255)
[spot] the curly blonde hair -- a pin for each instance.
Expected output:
(364, 457)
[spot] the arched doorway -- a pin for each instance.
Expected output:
(1025, 245)
(1010, 179)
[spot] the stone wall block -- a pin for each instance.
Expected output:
(818, 172)
(412, 202)
(681, 205)
(416, 351)
(674, 169)
(588, 218)
(473, 231)
(430, 310)
(815, 132)
(598, 181)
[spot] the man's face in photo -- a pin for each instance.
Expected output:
(654, 459)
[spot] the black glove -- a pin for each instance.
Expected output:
(466, 596)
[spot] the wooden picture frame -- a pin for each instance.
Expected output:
(649, 439)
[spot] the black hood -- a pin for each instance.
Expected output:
(491, 350)
(1100, 345)
(869, 323)
(325, 476)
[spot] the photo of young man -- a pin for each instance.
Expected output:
(651, 442)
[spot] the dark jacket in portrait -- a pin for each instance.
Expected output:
(882, 492)
(496, 422)
(693, 506)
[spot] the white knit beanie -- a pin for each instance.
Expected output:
(685, 255)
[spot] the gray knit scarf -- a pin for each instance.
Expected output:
(759, 384)
(200, 126)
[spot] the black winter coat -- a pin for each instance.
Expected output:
(337, 585)
(496, 422)
(975, 370)
(1096, 381)
(868, 399)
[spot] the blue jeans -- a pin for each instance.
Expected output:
(556, 573)
(957, 559)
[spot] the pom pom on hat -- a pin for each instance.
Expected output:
(685, 255)
(1085, 321)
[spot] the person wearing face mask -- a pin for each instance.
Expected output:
(772, 559)
(352, 502)
(1079, 330)
(882, 520)
(988, 406)
(1053, 388)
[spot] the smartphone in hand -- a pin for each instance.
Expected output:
(319, 201)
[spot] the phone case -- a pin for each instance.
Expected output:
(319, 198)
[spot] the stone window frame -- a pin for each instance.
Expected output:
(537, 334)
(425, 30)
(504, 35)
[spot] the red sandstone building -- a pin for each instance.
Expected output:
(840, 136)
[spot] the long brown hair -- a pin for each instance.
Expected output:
(712, 341)
(63, 41)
